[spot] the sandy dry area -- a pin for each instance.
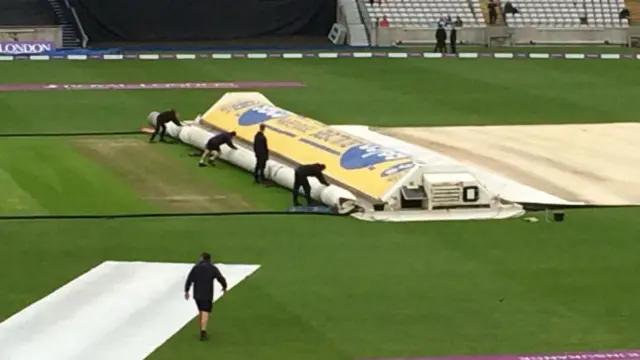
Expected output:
(595, 163)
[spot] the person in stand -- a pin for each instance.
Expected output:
(493, 13)
(384, 23)
(301, 180)
(453, 38)
(441, 39)
(213, 147)
(201, 277)
(509, 9)
(624, 14)
(582, 15)
(261, 150)
(162, 120)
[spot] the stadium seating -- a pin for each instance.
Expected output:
(543, 13)
(426, 13)
(26, 12)
(566, 13)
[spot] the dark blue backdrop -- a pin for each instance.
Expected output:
(202, 20)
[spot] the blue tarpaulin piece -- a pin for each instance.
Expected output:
(80, 52)
(313, 209)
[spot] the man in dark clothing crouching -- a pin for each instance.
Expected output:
(213, 147)
(202, 276)
(165, 117)
(303, 172)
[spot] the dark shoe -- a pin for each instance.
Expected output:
(203, 336)
(202, 164)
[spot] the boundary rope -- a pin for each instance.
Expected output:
(68, 134)
(159, 215)
(116, 216)
(545, 207)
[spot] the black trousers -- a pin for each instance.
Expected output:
(258, 172)
(160, 129)
(493, 16)
(301, 182)
(440, 47)
(453, 47)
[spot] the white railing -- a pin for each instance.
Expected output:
(366, 20)
(83, 34)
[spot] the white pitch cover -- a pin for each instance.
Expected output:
(117, 310)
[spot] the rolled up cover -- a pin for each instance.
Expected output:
(192, 134)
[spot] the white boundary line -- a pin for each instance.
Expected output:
(321, 55)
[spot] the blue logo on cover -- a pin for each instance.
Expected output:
(397, 168)
(260, 114)
(368, 155)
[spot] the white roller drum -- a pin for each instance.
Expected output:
(152, 118)
(195, 136)
(280, 174)
(337, 195)
(172, 129)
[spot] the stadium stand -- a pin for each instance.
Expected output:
(26, 12)
(538, 13)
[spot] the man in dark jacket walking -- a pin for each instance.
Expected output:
(261, 150)
(201, 277)
(302, 173)
(162, 120)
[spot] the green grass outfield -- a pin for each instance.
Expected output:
(329, 288)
